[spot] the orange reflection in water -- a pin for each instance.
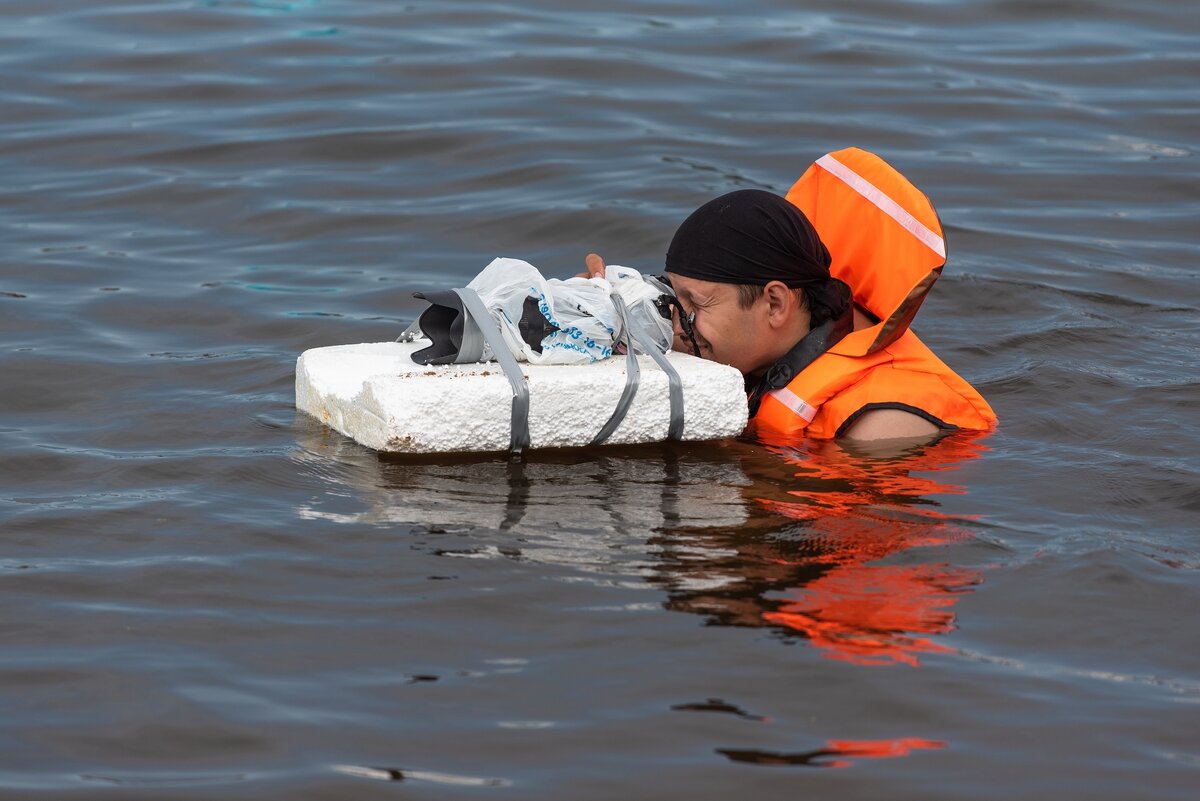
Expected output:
(876, 749)
(833, 753)
(864, 508)
(843, 547)
(876, 615)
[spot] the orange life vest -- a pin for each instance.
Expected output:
(887, 245)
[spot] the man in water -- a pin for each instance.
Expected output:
(821, 356)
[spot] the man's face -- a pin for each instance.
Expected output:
(724, 331)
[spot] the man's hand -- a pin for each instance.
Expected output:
(595, 266)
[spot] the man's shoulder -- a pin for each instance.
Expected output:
(878, 424)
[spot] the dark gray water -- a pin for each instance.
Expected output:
(208, 596)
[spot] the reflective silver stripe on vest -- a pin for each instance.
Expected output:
(519, 439)
(794, 402)
(884, 203)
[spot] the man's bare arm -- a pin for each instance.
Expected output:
(878, 424)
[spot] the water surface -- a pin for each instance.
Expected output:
(209, 596)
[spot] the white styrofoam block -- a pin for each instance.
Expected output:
(375, 394)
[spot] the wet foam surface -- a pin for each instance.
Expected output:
(375, 394)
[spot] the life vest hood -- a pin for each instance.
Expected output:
(886, 243)
(884, 236)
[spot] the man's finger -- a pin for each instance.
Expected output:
(595, 265)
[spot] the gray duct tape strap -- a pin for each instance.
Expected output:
(632, 377)
(473, 340)
(645, 341)
(491, 333)
(412, 333)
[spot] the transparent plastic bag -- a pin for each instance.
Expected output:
(577, 320)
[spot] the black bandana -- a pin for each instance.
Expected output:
(755, 237)
(749, 237)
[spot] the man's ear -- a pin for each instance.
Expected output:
(781, 302)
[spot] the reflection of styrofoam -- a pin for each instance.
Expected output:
(377, 395)
(596, 498)
(603, 513)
